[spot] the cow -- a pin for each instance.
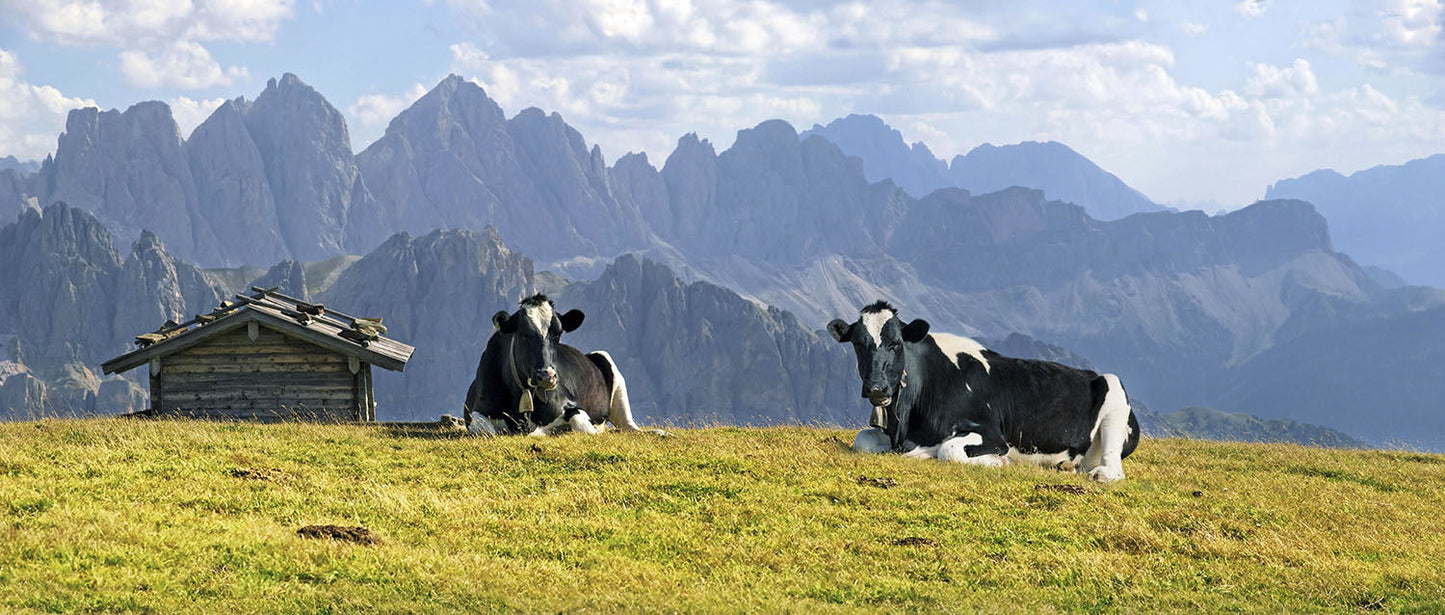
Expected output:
(528, 381)
(937, 395)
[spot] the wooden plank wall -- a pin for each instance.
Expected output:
(273, 378)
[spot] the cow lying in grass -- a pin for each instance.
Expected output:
(529, 382)
(945, 396)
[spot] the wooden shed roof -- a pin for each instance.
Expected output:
(314, 323)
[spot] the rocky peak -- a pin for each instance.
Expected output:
(885, 154)
(306, 150)
(130, 170)
(287, 277)
(231, 185)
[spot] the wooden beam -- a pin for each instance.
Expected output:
(253, 330)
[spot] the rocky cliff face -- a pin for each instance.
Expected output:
(256, 182)
(453, 160)
(68, 302)
(129, 169)
(437, 293)
(699, 353)
(233, 189)
(322, 205)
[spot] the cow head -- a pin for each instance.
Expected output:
(535, 331)
(878, 339)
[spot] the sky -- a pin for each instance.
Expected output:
(1195, 103)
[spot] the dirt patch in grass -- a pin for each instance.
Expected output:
(881, 482)
(358, 535)
(1072, 489)
(267, 474)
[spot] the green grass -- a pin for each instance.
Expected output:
(116, 515)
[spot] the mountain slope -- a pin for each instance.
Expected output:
(1387, 216)
(1376, 379)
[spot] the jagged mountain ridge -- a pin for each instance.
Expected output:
(256, 182)
(1168, 300)
(69, 301)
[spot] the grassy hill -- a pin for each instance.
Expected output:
(118, 515)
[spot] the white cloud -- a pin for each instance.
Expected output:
(149, 23)
(30, 115)
(189, 113)
(184, 65)
(160, 40)
(1282, 81)
(369, 115)
(1387, 36)
(1192, 28)
(1251, 8)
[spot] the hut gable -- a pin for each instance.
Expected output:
(266, 357)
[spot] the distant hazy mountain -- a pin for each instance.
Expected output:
(884, 153)
(1060, 172)
(1210, 424)
(23, 167)
(1377, 379)
(1386, 216)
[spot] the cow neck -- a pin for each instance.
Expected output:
(907, 394)
(524, 393)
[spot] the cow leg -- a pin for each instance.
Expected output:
(620, 410)
(974, 449)
(1103, 461)
(922, 452)
(872, 441)
(581, 422)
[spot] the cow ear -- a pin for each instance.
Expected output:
(503, 322)
(915, 331)
(840, 329)
(571, 320)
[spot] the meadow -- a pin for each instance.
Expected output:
(180, 516)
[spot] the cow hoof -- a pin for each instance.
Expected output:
(1106, 474)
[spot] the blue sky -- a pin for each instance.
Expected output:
(1189, 101)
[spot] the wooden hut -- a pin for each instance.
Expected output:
(265, 357)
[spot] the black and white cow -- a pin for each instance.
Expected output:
(529, 382)
(946, 396)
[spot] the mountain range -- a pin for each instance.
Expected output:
(1056, 169)
(708, 277)
(1386, 216)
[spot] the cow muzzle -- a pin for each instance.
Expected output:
(877, 396)
(543, 380)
